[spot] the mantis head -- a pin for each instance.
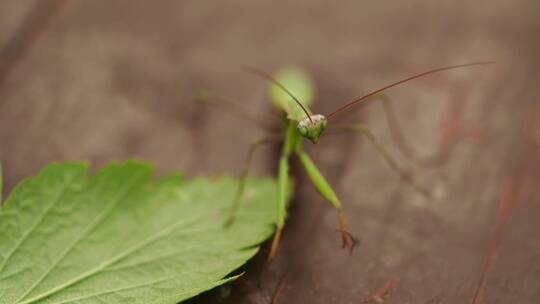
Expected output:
(312, 127)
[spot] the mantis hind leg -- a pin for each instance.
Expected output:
(231, 107)
(403, 144)
(242, 183)
(328, 193)
(388, 158)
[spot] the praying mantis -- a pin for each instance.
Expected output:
(299, 123)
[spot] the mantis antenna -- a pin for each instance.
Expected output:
(355, 101)
(282, 87)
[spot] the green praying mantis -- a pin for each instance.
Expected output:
(291, 93)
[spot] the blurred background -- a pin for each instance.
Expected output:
(108, 80)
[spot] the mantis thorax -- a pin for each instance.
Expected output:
(312, 127)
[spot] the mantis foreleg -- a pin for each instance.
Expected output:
(283, 186)
(328, 193)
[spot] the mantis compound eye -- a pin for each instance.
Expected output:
(312, 129)
(302, 129)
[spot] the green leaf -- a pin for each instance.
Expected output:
(118, 237)
(1, 183)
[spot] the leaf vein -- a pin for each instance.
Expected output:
(38, 222)
(107, 263)
(100, 219)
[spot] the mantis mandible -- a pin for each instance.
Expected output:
(299, 122)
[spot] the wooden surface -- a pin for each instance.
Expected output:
(108, 80)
